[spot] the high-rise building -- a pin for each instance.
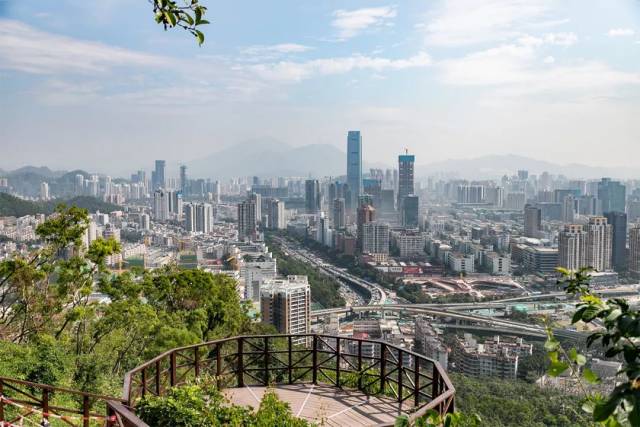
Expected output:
(44, 191)
(568, 209)
(277, 219)
(286, 304)
(405, 176)
(599, 244)
(312, 197)
(612, 195)
(375, 238)
(189, 214)
(175, 203)
(471, 194)
(634, 251)
(247, 221)
(161, 205)
(410, 211)
(532, 221)
(366, 214)
(183, 179)
(618, 221)
(572, 247)
(257, 199)
(158, 175)
(204, 218)
(79, 184)
(354, 166)
(339, 214)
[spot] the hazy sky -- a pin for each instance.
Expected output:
(98, 85)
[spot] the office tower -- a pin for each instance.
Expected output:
(618, 221)
(339, 214)
(247, 221)
(599, 244)
(354, 167)
(470, 194)
(145, 221)
(204, 218)
(572, 247)
(183, 179)
(375, 238)
(312, 196)
(277, 219)
(216, 192)
(366, 214)
(388, 202)
(410, 211)
(286, 304)
(44, 191)
(405, 176)
(333, 192)
(79, 184)
(257, 199)
(523, 175)
(612, 195)
(589, 206)
(532, 221)
(372, 187)
(633, 211)
(158, 175)
(634, 251)
(568, 209)
(160, 205)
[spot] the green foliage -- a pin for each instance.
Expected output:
(202, 405)
(619, 335)
(188, 16)
(14, 206)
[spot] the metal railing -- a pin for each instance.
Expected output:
(416, 383)
(28, 403)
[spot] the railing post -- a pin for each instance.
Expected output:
(143, 379)
(435, 382)
(158, 379)
(290, 358)
(196, 361)
(416, 382)
(45, 403)
(240, 373)
(266, 361)
(400, 379)
(172, 368)
(218, 366)
(360, 374)
(383, 366)
(338, 362)
(314, 358)
(86, 413)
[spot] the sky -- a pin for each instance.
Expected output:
(99, 85)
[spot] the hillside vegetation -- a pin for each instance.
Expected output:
(14, 206)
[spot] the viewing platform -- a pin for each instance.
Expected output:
(325, 379)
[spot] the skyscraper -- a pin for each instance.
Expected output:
(410, 211)
(375, 239)
(247, 222)
(354, 166)
(204, 218)
(366, 214)
(312, 196)
(599, 244)
(183, 179)
(571, 247)
(160, 205)
(634, 251)
(405, 176)
(189, 214)
(277, 220)
(44, 191)
(158, 175)
(532, 221)
(339, 216)
(618, 221)
(612, 195)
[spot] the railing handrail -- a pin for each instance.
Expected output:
(62, 390)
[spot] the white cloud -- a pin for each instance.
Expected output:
(621, 32)
(351, 22)
(515, 69)
(288, 71)
(468, 22)
(29, 50)
(282, 48)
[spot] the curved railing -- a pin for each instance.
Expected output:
(416, 383)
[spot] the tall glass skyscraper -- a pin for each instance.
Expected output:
(405, 176)
(612, 195)
(354, 166)
(158, 175)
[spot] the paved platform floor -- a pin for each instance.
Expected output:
(324, 404)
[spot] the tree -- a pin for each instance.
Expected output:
(189, 16)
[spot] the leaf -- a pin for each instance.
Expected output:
(203, 22)
(557, 368)
(602, 411)
(590, 376)
(614, 315)
(171, 18)
(551, 344)
(198, 13)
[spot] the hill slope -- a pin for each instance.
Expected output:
(14, 206)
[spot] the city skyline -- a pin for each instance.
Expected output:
(445, 80)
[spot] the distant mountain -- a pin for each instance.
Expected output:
(14, 206)
(36, 170)
(270, 157)
(494, 166)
